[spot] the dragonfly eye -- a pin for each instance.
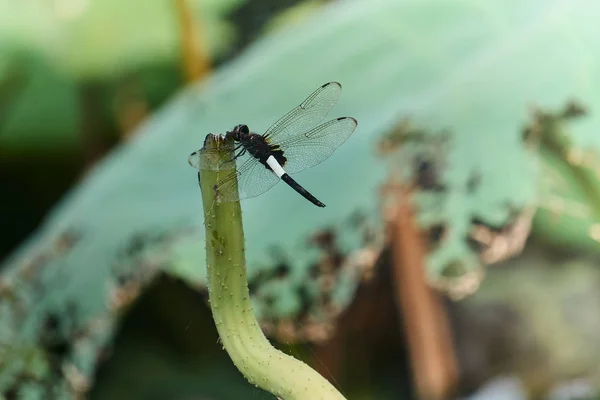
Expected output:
(242, 129)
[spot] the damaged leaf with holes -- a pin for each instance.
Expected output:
(569, 208)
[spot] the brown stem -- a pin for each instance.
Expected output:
(195, 62)
(434, 366)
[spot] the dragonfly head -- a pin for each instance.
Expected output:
(239, 131)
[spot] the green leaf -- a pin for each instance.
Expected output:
(99, 39)
(56, 45)
(40, 109)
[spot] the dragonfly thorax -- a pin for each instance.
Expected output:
(257, 145)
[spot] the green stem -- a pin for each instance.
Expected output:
(241, 336)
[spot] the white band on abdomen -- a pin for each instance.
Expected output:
(272, 162)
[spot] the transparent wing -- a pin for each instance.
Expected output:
(253, 179)
(205, 159)
(313, 147)
(250, 179)
(307, 115)
(210, 159)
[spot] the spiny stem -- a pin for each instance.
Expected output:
(241, 336)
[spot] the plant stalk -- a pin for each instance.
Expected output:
(241, 336)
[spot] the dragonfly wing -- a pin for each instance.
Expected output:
(210, 160)
(316, 145)
(195, 159)
(255, 180)
(306, 115)
(249, 178)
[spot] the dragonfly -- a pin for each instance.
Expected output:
(297, 141)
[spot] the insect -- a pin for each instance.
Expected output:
(292, 144)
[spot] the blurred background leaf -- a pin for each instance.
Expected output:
(61, 45)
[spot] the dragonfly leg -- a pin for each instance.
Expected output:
(241, 153)
(238, 155)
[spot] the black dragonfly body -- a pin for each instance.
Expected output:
(294, 143)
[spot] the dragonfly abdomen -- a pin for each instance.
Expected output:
(275, 166)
